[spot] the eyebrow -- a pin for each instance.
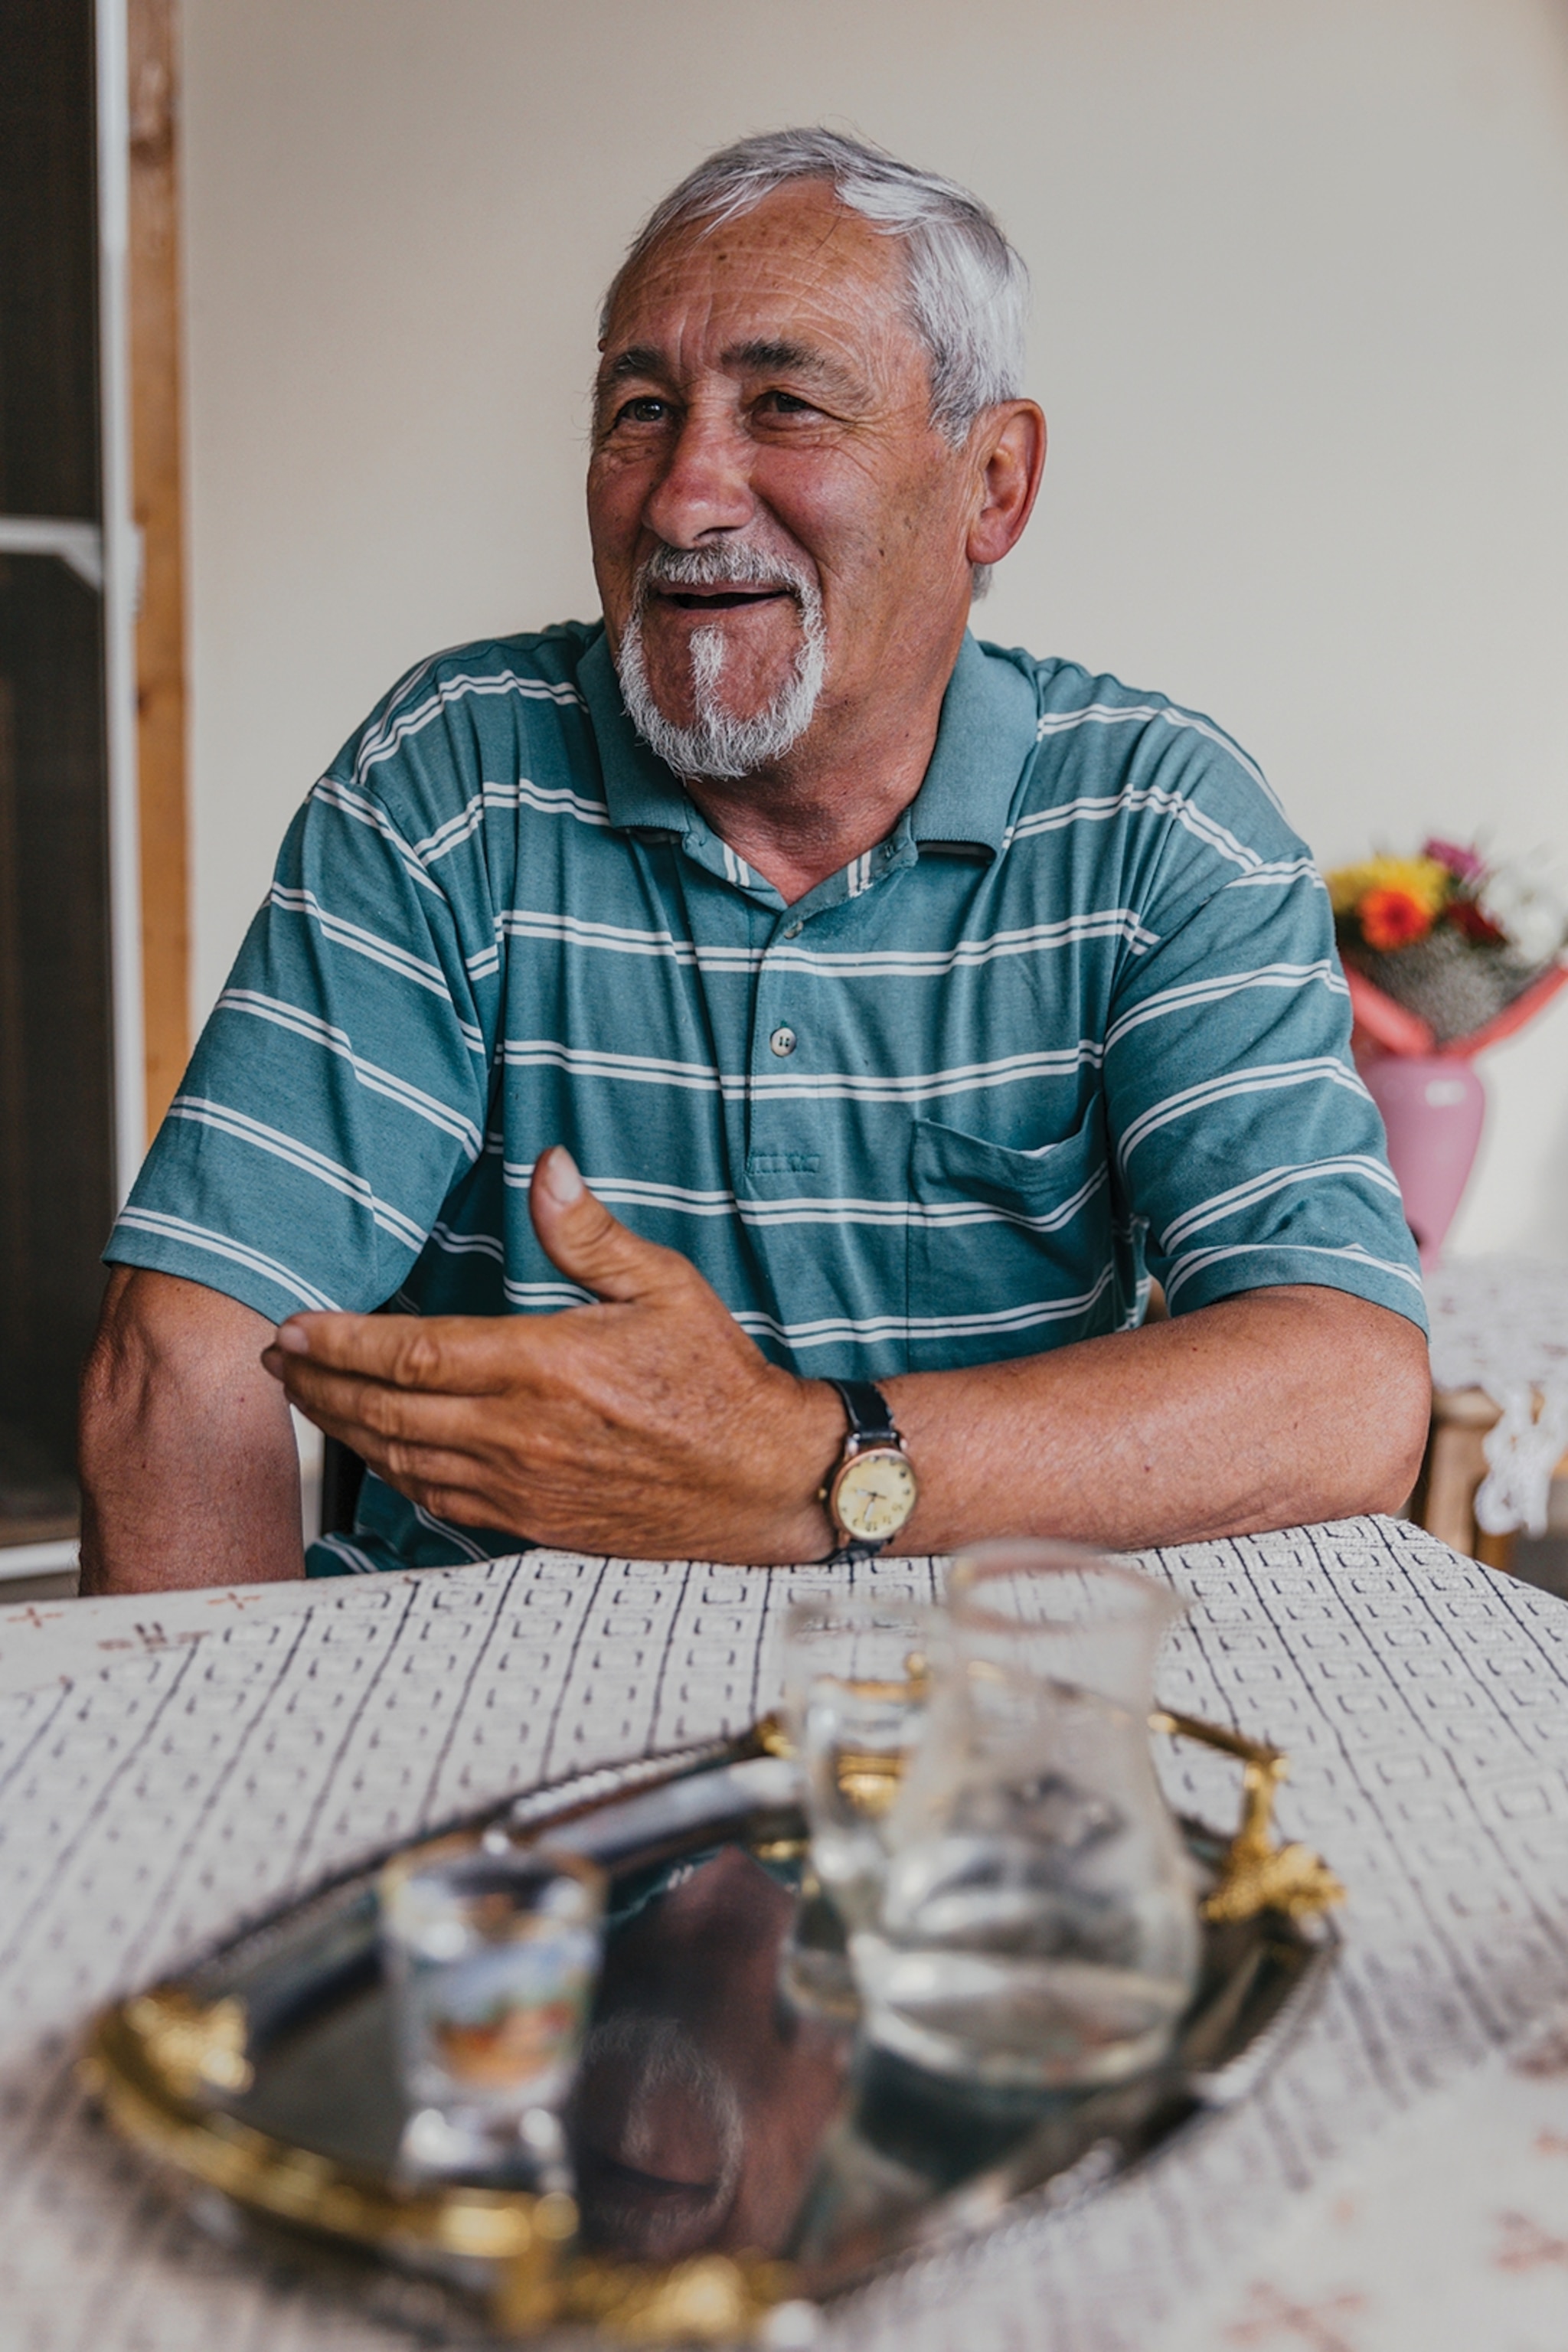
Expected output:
(759, 357)
(791, 359)
(638, 359)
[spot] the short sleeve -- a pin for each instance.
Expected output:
(1246, 1147)
(337, 1092)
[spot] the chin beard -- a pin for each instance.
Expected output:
(717, 744)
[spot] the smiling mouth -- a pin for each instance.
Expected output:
(719, 600)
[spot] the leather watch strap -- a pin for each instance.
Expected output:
(870, 1415)
(871, 1424)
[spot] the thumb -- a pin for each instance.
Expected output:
(578, 1233)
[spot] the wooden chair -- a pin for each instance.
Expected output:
(1444, 1502)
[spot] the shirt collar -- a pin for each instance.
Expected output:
(986, 734)
(640, 793)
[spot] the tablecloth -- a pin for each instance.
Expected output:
(148, 1806)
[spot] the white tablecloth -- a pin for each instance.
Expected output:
(153, 1802)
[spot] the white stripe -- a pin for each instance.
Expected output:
(1185, 1267)
(966, 1077)
(397, 726)
(450, 1534)
(543, 1053)
(369, 1074)
(303, 1156)
(1107, 714)
(1195, 821)
(1285, 869)
(359, 1563)
(518, 922)
(362, 942)
(881, 963)
(628, 1192)
(832, 1086)
(467, 1245)
(1223, 984)
(1266, 1078)
(838, 1332)
(540, 1298)
(549, 800)
(202, 1237)
(1269, 1181)
(333, 794)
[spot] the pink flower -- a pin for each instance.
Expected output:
(1462, 864)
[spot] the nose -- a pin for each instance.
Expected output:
(705, 485)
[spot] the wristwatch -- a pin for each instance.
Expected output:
(871, 1491)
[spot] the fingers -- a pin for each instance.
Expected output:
(423, 1446)
(359, 1410)
(579, 1235)
(456, 1355)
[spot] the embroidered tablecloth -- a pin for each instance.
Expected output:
(153, 1798)
(1502, 1323)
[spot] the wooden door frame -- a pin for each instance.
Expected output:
(156, 406)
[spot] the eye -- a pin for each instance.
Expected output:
(646, 409)
(787, 403)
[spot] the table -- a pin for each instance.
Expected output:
(153, 1798)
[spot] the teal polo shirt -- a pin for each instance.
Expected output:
(1078, 1019)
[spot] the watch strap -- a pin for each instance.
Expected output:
(870, 1415)
(871, 1423)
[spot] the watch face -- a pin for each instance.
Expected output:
(874, 1493)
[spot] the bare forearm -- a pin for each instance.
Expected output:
(190, 1474)
(1271, 1409)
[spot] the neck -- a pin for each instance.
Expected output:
(840, 791)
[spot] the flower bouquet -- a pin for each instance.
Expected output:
(1454, 942)
(1444, 955)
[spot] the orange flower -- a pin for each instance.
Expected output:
(1392, 919)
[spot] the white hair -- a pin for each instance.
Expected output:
(968, 289)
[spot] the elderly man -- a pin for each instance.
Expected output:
(754, 1050)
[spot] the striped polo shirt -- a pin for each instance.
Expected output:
(1078, 1019)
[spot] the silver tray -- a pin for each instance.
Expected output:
(785, 2162)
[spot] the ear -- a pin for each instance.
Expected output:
(1011, 455)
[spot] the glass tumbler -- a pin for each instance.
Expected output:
(492, 1953)
(857, 1685)
(1038, 1923)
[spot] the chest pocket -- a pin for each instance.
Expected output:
(1009, 1252)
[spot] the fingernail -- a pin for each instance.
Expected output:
(563, 1180)
(293, 1339)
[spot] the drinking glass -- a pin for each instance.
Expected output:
(1037, 1925)
(492, 1951)
(857, 1682)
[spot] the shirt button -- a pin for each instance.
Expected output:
(792, 930)
(783, 1041)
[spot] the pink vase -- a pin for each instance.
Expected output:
(1433, 1106)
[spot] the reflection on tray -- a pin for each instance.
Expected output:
(716, 2124)
(702, 2095)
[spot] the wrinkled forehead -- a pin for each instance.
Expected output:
(799, 269)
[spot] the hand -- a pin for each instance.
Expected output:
(648, 1425)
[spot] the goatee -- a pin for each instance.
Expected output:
(715, 743)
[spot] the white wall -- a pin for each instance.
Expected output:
(1301, 272)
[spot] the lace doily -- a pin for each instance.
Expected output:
(1502, 1323)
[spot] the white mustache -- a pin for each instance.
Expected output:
(732, 564)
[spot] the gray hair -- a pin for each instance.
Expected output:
(968, 289)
